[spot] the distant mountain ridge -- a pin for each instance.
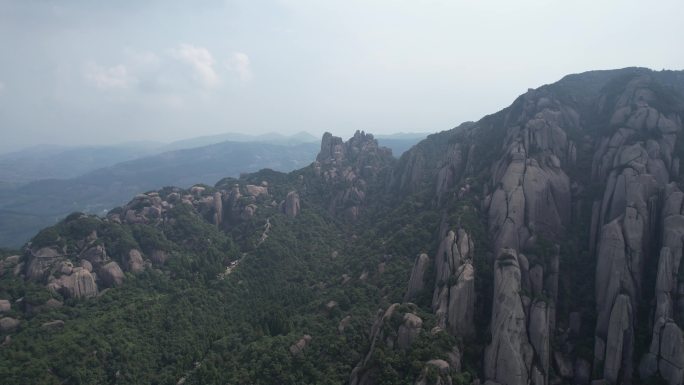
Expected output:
(27, 207)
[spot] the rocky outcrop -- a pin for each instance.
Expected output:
(348, 168)
(620, 340)
(666, 354)
(40, 263)
(301, 344)
(453, 300)
(409, 330)
(135, 261)
(5, 306)
(531, 193)
(53, 325)
(291, 204)
(540, 337)
(665, 357)
(508, 359)
(442, 370)
(218, 208)
(637, 162)
(79, 284)
(417, 280)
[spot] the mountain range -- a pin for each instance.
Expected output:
(539, 245)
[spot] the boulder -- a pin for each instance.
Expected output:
(5, 306)
(299, 346)
(53, 325)
(86, 265)
(442, 369)
(8, 324)
(344, 323)
(40, 263)
(135, 261)
(80, 284)
(409, 330)
(53, 304)
(96, 255)
(111, 274)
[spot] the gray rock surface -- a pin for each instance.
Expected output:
(453, 299)
(53, 325)
(408, 331)
(461, 313)
(292, 206)
(135, 261)
(111, 274)
(620, 338)
(417, 280)
(540, 335)
(508, 357)
(80, 284)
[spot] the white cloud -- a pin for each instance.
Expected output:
(114, 77)
(201, 61)
(240, 64)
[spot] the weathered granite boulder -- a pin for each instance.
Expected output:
(111, 274)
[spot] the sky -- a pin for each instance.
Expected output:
(103, 72)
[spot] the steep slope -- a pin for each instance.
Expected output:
(539, 187)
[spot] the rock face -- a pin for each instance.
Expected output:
(453, 300)
(636, 172)
(291, 205)
(508, 358)
(417, 281)
(532, 195)
(666, 354)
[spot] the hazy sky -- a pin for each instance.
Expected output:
(76, 72)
